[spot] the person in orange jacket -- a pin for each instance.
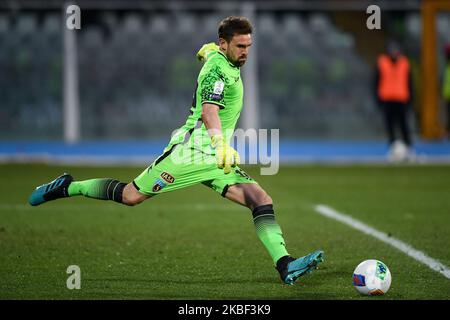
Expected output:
(394, 93)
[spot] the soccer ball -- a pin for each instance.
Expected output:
(372, 277)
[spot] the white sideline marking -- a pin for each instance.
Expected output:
(398, 244)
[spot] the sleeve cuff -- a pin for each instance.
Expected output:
(221, 106)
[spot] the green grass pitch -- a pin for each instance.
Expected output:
(194, 244)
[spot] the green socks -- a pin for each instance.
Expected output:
(102, 189)
(269, 232)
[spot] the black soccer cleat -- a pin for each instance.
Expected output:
(58, 188)
(295, 268)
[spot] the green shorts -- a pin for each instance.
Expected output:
(181, 167)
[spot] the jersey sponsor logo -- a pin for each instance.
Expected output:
(215, 97)
(218, 87)
(159, 184)
(167, 177)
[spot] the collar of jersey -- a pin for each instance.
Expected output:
(229, 62)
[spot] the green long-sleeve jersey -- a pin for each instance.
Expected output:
(219, 82)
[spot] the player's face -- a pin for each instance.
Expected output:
(237, 49)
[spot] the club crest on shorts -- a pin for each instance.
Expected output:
(167, 177)
(159, 184)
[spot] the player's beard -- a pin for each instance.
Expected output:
(240, 62)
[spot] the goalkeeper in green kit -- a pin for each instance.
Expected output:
(199, 152)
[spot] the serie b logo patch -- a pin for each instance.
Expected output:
(158, 185)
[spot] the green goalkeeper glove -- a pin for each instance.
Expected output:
(226, 156)
(205, 50)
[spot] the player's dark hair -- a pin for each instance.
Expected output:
(232, 26)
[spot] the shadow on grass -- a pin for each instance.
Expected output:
(310, 287)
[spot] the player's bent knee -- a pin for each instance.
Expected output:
(263, 199)
(267, 199)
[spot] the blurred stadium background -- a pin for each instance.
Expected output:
(129, 81)
(110, 94)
